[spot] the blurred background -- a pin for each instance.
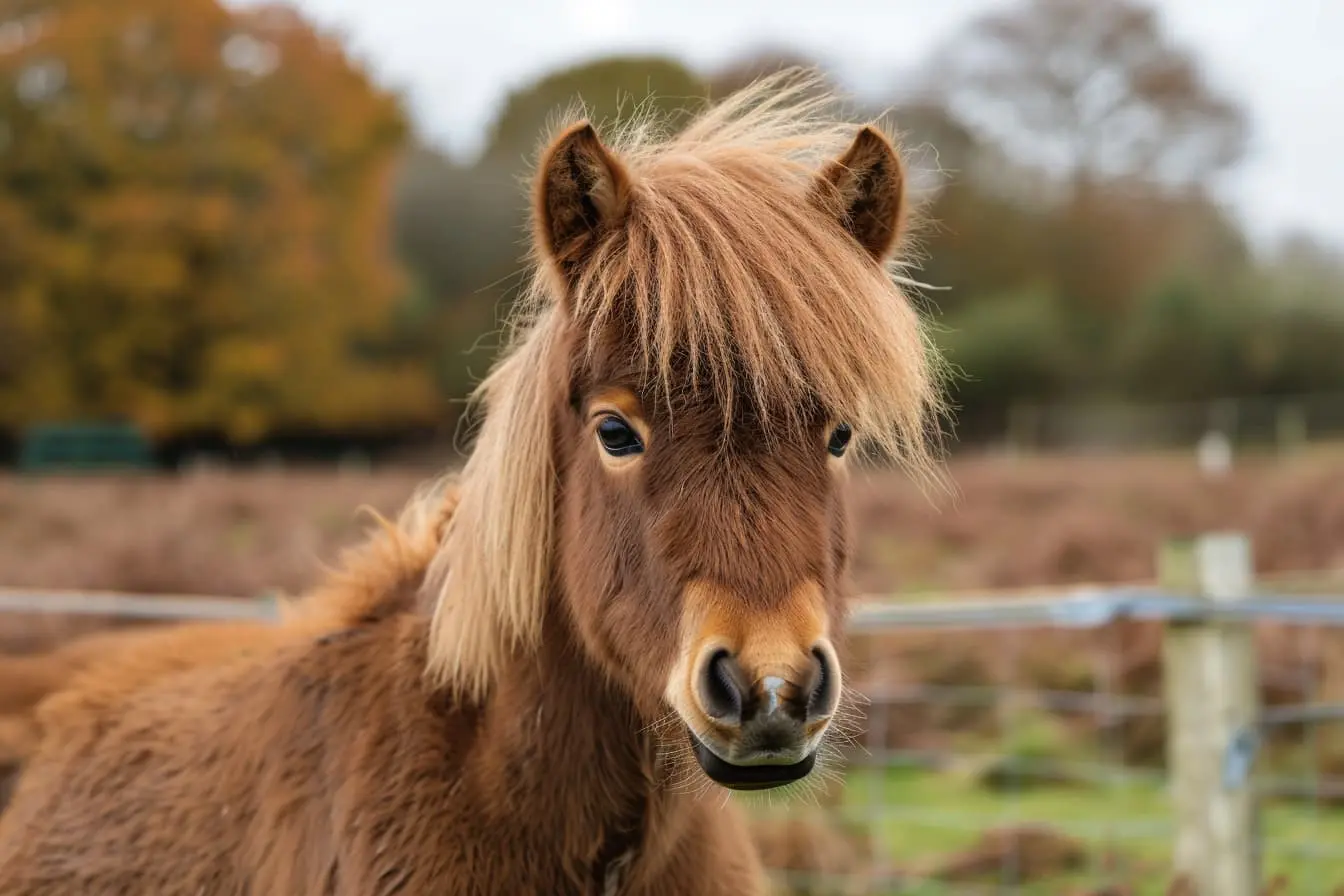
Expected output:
(253, 257)
(249, 230)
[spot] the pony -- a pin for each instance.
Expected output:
(639, 600)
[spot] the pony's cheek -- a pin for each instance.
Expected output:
(643, 648)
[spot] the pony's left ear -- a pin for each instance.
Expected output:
(865, 190)
(582, 192)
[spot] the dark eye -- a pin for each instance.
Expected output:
(617, 437)
(840, 437)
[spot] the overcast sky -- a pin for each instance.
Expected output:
(456, 59)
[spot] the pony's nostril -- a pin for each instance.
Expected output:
(722, 688)
(821, 696)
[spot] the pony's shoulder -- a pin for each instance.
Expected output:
(140, 662)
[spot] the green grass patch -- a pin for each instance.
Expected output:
(919, 817)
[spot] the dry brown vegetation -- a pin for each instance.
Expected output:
(198, 533)
(1059, 520)
(1035, 521)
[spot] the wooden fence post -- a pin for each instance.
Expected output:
(1211, 690)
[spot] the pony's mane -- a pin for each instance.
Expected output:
(725, 261)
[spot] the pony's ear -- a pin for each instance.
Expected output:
(582, 191)
(865, 190)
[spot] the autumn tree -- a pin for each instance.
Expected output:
(193, 222)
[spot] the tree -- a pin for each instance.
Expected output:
(1305, 271)
(976, 237)
(200, 198)
(763, 61)
(1093, 87)
(611, 89)
(1125, 129)
(460, 229)
(1182, 325)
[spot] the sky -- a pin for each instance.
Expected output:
(456, 60)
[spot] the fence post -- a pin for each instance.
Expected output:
(1210, 680)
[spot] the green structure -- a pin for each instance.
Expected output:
(64, 447)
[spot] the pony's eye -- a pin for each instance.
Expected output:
(617, 437)
(840, 437)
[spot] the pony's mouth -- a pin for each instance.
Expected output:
(762, 776)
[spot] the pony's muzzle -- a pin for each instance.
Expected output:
(765, 724)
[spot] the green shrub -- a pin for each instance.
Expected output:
(1008, 347)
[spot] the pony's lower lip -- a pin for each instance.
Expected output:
(748, 777)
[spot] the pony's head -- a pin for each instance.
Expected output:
(712, 334)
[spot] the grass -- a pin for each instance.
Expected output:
(919, 817)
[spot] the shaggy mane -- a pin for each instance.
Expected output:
(725, 258)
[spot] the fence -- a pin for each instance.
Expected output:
(980, 718)
(1087, 738)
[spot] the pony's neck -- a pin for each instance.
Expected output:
(564, 737)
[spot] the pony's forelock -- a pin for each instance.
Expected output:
(720, 259)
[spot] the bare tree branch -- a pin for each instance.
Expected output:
(1093, 87)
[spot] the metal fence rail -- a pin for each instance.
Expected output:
(1096, 608)
(1084, 608)
(137, 606)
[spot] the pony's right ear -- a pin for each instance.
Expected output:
(582, 192)
(865, 190)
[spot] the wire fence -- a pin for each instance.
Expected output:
(1099, 741)
(1091, 740)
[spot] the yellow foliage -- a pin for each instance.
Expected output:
(194, 222)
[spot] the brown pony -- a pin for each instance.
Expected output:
(639, 594)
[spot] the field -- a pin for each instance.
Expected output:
(1035, 521)
(1006, 524)
(1066, 841)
